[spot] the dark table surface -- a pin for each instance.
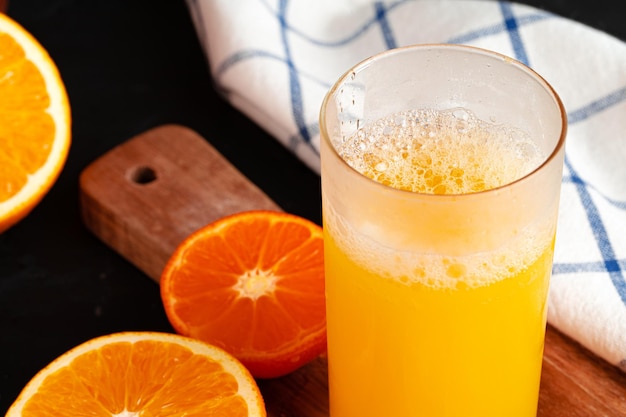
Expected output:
(130, 65)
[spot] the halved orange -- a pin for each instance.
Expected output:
(253, 284)
(34, 122)
(141, 374)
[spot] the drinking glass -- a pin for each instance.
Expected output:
(441, 169)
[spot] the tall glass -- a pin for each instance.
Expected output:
(441, 173)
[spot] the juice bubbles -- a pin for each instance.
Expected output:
(429, 311)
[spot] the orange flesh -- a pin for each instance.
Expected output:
(26, 130)
(144, 378)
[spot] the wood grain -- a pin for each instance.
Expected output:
(143, 197)
(576, 383)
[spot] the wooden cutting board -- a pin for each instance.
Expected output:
(145, 196)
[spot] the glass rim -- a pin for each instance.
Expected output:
(324, 136)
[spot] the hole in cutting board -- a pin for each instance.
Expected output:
(143, 175)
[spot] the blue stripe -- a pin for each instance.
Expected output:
(512, 28)
(381, 18)
(599, 231)
(597, 106)
(499, 28)
(584, 113)
(242, 56)
(297, 107)
(343, 41)
(581, 267)
(246, 54)
(615, 203)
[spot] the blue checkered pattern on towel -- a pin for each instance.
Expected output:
(275, 59)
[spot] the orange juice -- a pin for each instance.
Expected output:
(436, 308)
(456, 352)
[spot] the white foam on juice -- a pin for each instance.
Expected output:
(435, 270)
(439, 152)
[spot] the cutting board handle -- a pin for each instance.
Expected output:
(143, 197)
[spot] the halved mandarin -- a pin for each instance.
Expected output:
(253, 284)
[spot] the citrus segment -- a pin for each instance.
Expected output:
(141, 374)
(253, 284)
(34, 122)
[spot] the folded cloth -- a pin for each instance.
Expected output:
(274, 60)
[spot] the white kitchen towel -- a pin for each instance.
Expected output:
(274, 60)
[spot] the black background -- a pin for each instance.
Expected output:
(130, 65)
